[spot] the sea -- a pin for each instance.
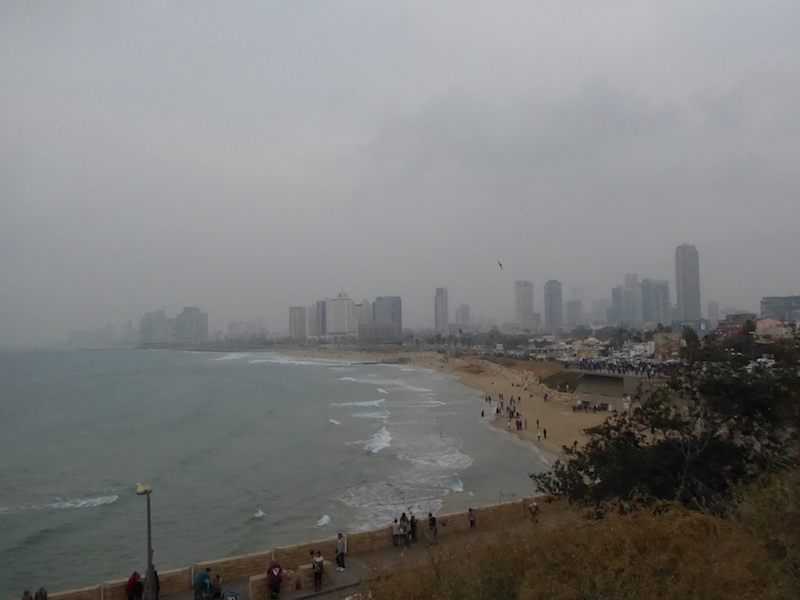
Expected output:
(244, 451)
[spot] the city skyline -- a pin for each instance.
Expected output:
(275, 153)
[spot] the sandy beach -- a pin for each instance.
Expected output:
(513, 378)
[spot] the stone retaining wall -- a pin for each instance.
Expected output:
(291, 557)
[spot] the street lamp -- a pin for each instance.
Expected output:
(150, 579)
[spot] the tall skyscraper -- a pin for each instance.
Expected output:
(631, 301)
(553, 305)
(389, 309)
(663, 308)
(440, 311)
(462, 314)
(615, 312)
(297, 322)
(687, 282)
(523, 293)
(340, 316)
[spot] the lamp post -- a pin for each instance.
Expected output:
(150, 578)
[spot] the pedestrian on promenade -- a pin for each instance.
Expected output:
(341, 550)
(202, 582)
(274, 577)
(134, 589)
(318, 567)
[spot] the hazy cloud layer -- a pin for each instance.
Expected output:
(245, 157)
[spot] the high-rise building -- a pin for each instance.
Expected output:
(462, 314)
(782, 308)
(340, 316)
(191, 326)
(523, 294)
(600, 310)
(687, 282)
(631, 300)
(389, 309)
(297, 322)
(662, 306)
(316, 319)
(574, 312)
(617, 301)
(440, 311)
(553, 305)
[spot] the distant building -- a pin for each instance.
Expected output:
(316, 319)
(523, 295)
(340, 317)
(617, 301)
(440, 311)
(191, 326)
(155, 328)
(388, 311)
(713, 311)
(663, 308)
(297, 322)
(781, 308)
(574, 312)
(631, 300)
(687, 283)
(600, 308)
(553, 305)
(462, 314)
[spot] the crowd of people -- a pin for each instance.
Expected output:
(626, 366)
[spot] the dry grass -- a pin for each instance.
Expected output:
(671, 556)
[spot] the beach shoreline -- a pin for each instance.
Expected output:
(558, 425)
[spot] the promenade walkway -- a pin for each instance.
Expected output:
(340, 584)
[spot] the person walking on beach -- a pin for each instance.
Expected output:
(471, 517)
(433, 531)
(41, 594)
(274, 577)
(395, 533)
(26, 595)
(412, 528)
(318, 566)
(341, 550)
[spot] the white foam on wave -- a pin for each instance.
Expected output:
(382, 391)
(380, 439)
(397, 383)
(365, 403)
(233, 356)
(258, 514)
(383, 415)
(334, 421)
(277, 359)
(84, 502)
(323, 520)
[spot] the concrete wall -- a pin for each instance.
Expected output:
(253, 566)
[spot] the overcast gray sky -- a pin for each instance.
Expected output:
(248, 156)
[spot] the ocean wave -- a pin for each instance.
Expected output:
(382, 391)
(334, 421)
(383, 415)
(258, 514)
(396, 383)
(84, 502)
(323, 520)
(379, 440)
(365, 403)
(232, 356)
(280, 359)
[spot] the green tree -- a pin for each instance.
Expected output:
(694, 442)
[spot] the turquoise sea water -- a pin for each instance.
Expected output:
(244, 451)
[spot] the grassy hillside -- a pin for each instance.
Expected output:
(667, 554)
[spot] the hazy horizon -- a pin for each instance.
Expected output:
(247, 157)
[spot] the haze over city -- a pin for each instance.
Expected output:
(247, 157)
